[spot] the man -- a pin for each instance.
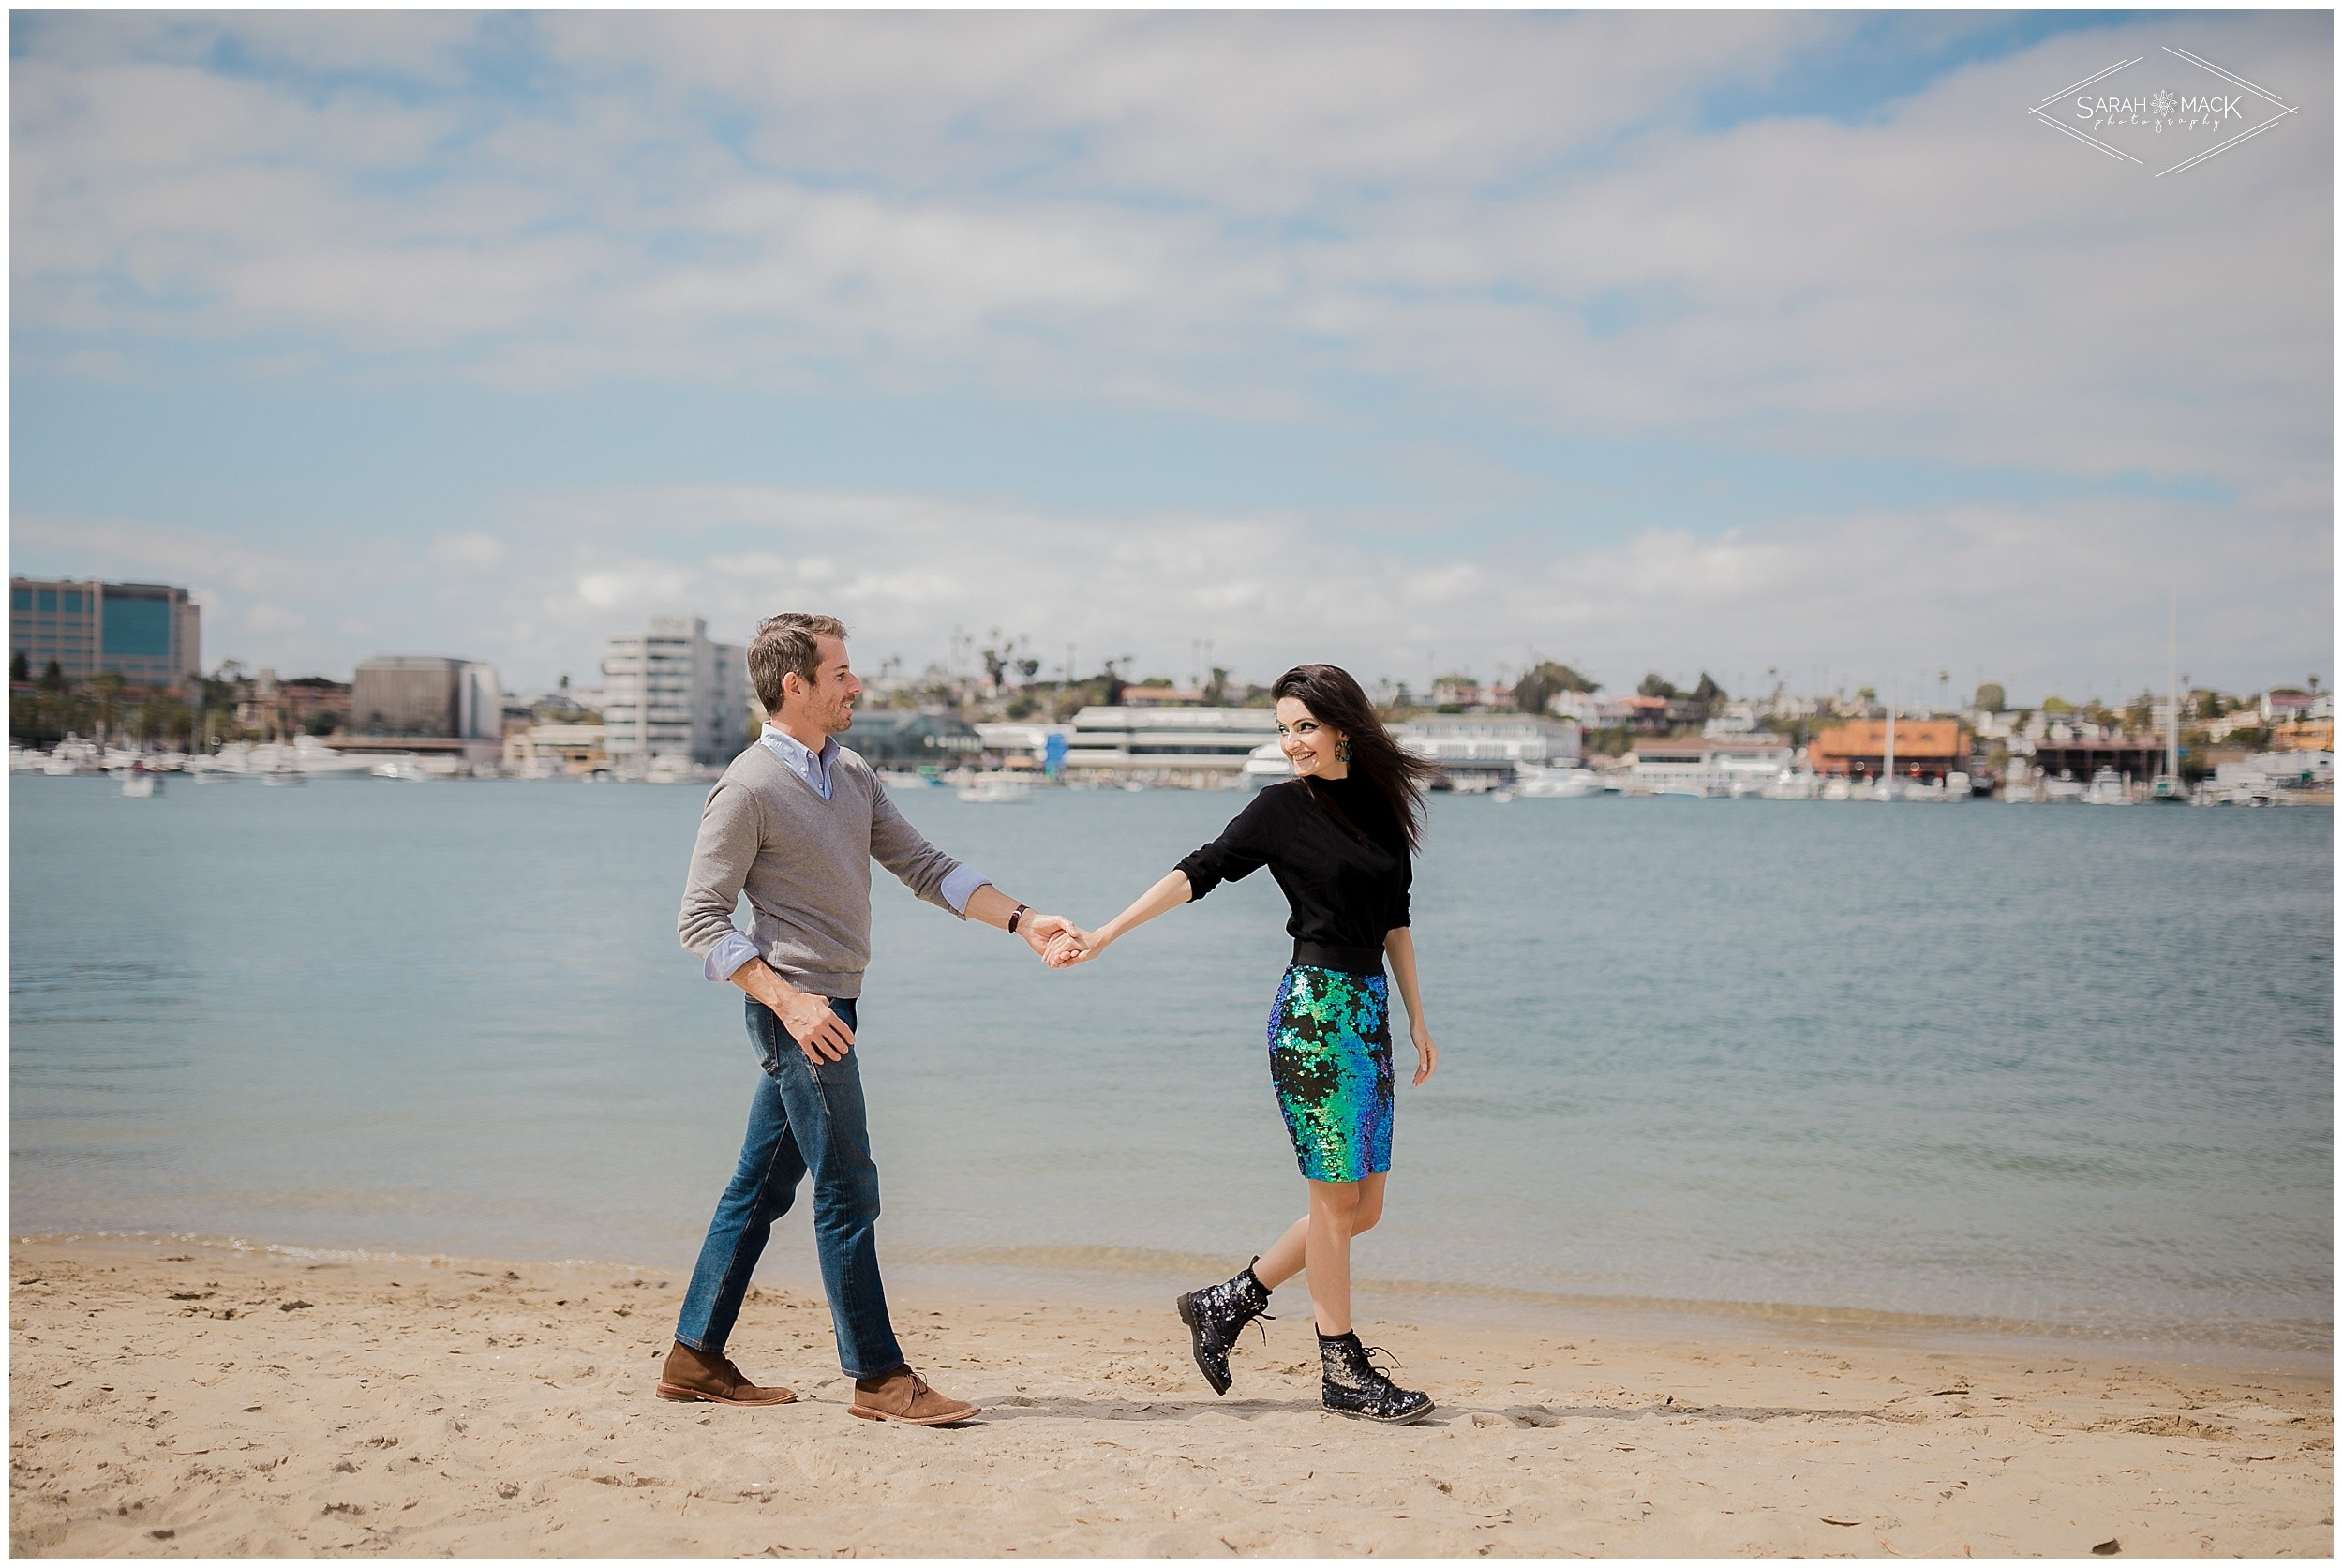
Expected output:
(796, 822)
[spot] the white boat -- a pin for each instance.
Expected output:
(284, 776)
(995, 789)
(2062, 788)
(1532, 783)
(1837, 789)
(72, 755)
(140, 783)
(896, 778)
(405, 769)
(1793, 785)
(2107, 788)
(1266, 764)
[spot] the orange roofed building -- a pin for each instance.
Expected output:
(1925, 748)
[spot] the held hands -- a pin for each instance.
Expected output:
(1074, 946)
(1041, 933)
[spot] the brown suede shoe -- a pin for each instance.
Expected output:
(903, 1395)
(692, 1374)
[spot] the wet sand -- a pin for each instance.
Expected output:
(171, 1397)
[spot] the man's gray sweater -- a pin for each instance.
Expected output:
(805, 864)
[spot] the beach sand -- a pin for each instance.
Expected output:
(176, 1397)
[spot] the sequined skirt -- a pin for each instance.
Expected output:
(1330, 1059)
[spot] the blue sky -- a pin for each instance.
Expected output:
(1733, 341)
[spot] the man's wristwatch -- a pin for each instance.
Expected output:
(1018, 914)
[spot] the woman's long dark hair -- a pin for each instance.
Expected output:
(1334, 699)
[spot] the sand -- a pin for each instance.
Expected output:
(169, 1398)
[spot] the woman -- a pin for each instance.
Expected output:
(1337, 838)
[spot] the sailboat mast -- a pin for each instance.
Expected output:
(2172, 685)
(1887, 763)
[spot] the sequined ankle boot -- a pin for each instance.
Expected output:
(1356, 1387)
(1216, 1314)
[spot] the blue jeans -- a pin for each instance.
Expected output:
(806, 1119)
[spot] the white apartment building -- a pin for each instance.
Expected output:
(1492, 743)
(669, 692)
(1168, 742)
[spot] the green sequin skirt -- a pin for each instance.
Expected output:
(1330, 1060)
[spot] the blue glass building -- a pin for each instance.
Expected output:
(149, 633)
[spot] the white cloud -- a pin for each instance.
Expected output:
(1487, 217)
(1212, 212)
(2067, 597)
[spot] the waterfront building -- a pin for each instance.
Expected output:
(543, 750)
(2138, 757)
(307, 704)
(1925, 748)
(426, 705)
(670, 692)
(149, 633)
(1162, 696)
(1021, 746)
(1169, 744)
(1711, 764)
(913, 739)
(1490, 744)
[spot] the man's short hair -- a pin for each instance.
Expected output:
(785, 643)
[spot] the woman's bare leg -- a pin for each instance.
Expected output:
(1290, 1253)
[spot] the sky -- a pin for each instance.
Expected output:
(1788, 347)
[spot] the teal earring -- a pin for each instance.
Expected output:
(1342, 751)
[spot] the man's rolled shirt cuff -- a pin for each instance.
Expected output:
(728, 956)
(960, 886)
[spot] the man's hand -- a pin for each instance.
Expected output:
(1071, 946)
(1039, 931)
(993, 907)
(821, 1034)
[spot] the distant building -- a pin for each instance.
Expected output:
(669, 692)
(1926, 748)
(907, 740)
(426, 697)
(426, 704)
(1167, 741)
(1494, 743)
(1021, 745)
(2283, 704)
(1651, 714)
(149, 633)
(1162, 696)
(543, 750)
(307, 703)
(1710, 764)
(2304, 735)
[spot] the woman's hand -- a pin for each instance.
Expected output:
(1427, 1054)
(1073, 945)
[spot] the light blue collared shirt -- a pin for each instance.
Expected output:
(819, 769)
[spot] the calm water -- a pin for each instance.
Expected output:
(2052, 1066)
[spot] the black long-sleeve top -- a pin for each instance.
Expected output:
(1348, 891)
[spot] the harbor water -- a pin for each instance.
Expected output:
(2052, 1069)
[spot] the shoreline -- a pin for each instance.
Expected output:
(171, 1395)
(1136, 1276)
